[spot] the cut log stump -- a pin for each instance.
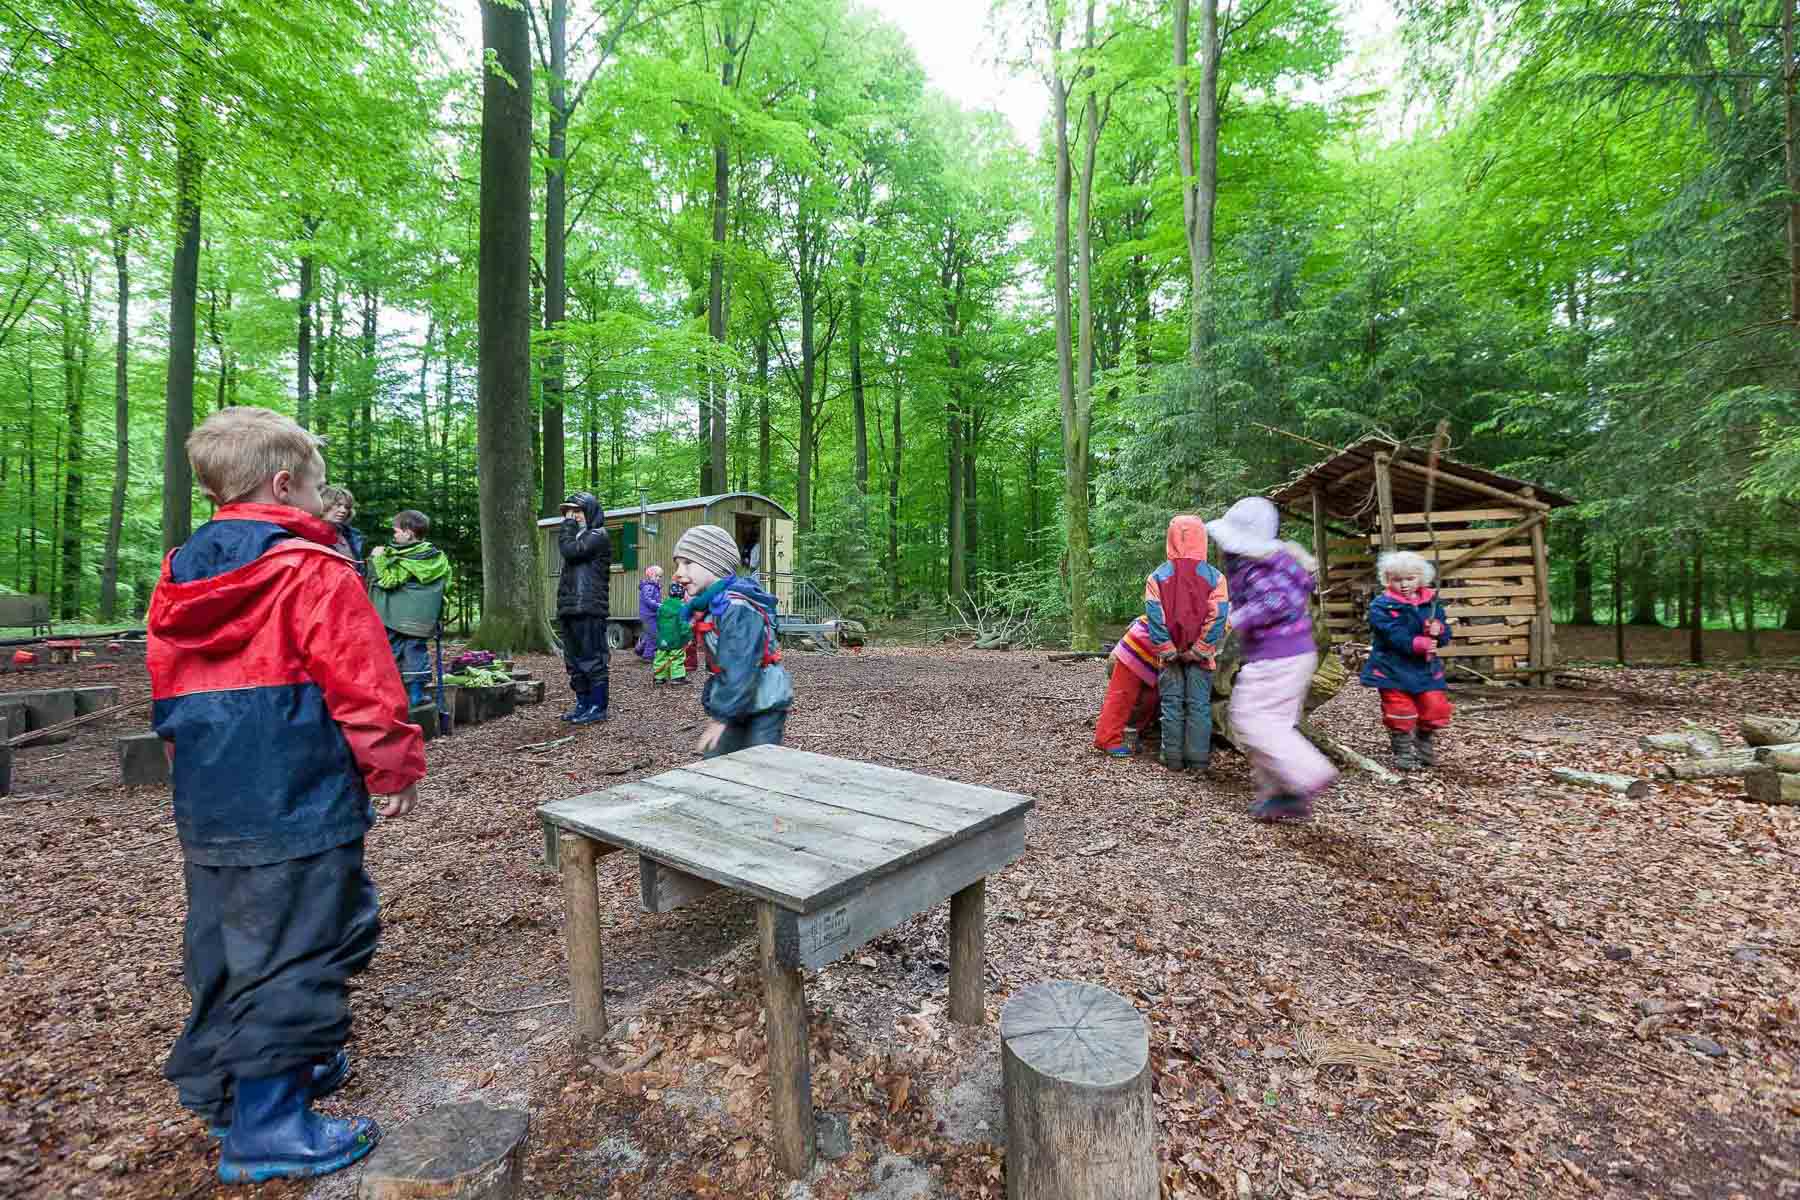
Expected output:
(1732, 762)
(143, 761)
(1765, 785)
(528, 691)
(467, 1151)
(1761, 729)
(93, 699)
(45, 707)
(1075, 1068)
(6, 761)
(1781, 760)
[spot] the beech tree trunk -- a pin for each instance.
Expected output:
(1076, 423)
(894, 513)
(556, 258)
(511, 617)
(762, 410)
(76, 315)
(115, 521)
(715, 296)
(1198, 151)
(859, 413)
(184, 291)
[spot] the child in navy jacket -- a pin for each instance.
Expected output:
(1407, 627)
(283, 712)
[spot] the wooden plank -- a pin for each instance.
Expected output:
(1520, 571)
(824, 935)
(1321, 538)
(1454, 610)
(1455, 537)
(939, 805)
(899, 789)
(854, 838)
(663, 889)
(1484, 649)
(1459, 515)
(755, 866)
(1475, 591)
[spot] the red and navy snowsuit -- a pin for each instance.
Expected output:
(283, 712)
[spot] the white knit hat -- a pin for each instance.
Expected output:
(1251, 527)
(711, 547)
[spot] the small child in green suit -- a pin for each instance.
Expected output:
(672, 636)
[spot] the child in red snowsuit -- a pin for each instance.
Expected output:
(283, 712)
(1407, 627)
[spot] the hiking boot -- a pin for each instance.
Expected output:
(1427, 748)
(1406, 756)
(274, 1133)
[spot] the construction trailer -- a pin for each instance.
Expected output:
(1485, 533)
(646, 533)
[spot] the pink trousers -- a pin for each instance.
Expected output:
(1266, 699)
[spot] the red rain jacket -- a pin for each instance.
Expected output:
(275, 687)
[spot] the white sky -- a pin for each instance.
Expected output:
(952, 41)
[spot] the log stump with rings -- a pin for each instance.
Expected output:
(1075, 1069)
(466, 1151)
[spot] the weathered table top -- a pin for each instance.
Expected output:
(797, 829)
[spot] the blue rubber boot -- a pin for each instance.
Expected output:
(595, 711)
(581, 703)
(275, 1135)
(327, 1077)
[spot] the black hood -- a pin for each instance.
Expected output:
(589, 505)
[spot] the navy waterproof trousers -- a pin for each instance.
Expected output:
(267, 955)
(584, 653)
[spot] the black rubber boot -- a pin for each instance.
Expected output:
(1427, 747)
(1406, 756)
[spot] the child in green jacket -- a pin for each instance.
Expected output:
(672, 636)
(406, 583)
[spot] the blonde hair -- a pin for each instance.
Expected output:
(338, 495)
(1404, 562)
(237, 450)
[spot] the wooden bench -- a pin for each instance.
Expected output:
(834, 852)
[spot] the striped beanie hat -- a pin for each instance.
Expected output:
(711, 547)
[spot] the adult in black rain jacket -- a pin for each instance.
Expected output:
(581, 603)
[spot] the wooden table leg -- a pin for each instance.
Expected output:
(581, 926)
(790, 1072)
(968, 954)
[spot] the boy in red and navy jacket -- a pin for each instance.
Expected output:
(283, 711)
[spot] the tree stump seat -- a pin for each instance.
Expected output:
(1075, 1071)
(466, 1151)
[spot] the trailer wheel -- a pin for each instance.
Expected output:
(620, 634)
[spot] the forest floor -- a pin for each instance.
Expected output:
(1479, 983)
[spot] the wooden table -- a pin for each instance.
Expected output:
(834, 852)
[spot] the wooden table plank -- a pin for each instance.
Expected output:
(751, 865)
(866, 838)
(944, 804)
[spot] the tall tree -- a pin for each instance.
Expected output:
(119, 231)
(184, 292)
(510, 620)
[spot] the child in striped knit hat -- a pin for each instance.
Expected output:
(747, 692)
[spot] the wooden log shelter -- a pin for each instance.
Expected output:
(833, 852)
(1485, 532)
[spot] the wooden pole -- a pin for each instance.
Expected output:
(968, 954)
(1321, 536)
(581, 927)
(1384, 498)
(790, 1071)
(1543, 653)
(1480, 489)
(1505, 535)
